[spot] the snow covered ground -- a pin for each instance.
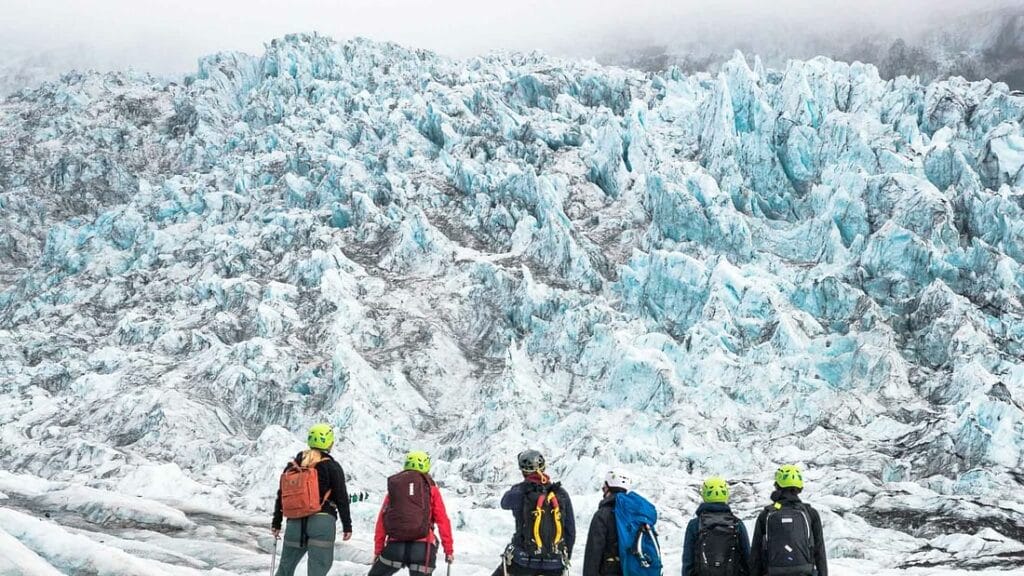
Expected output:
(680, 275)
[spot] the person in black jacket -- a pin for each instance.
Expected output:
(601, 557)
(315, 534)
(809, 556)
(712, 513)
(518, 559)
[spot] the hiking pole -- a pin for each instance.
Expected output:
(273, 559)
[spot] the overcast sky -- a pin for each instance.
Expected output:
(162, 37)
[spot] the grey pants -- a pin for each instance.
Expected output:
(320, 532)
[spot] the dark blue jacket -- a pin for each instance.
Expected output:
(513, 500)
(693, 531)
(788, 497)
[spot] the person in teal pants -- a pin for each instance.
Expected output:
(315, 535)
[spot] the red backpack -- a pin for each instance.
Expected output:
(300, 490)
(408, 518)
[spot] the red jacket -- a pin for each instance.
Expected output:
(437, 513)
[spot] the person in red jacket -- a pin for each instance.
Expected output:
(405, 537)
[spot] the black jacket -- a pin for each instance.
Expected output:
(331, 477)
(787, 497)
(513, 500)
(693, 534)
(601, 557)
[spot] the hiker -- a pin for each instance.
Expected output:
(311, 523)
(545, 526)
(404, 537)
(787, 537)
(622, 538)
(716, 542)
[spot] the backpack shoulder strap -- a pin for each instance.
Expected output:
(767, 512)
(808, 513)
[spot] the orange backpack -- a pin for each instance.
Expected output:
(300, 491)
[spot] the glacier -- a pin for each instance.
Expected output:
(679, 274)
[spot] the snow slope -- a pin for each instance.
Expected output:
(679, 274)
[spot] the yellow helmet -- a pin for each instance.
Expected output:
(715, 491)
(321, 436)
(417, 460)
(789, 476)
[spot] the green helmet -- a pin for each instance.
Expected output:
(321, 436)
(789, 476)
(715, 491)
(418, 461)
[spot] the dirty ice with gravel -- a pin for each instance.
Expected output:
(679, 275)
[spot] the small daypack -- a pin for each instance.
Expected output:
(639, 550)
(300, 490)
(407, 518)
(789, 542)
(718, 547)
(539, 542)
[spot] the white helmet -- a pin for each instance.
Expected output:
(616, 479)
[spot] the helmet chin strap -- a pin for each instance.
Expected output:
(539, 474)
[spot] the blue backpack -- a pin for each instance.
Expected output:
(639, 551)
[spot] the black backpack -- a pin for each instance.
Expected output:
(789, 541)
(718, 546)
(539, 542)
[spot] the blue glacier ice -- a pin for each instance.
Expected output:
(684, 274)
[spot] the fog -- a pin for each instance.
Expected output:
(168, 37)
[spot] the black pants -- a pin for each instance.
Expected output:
(419, 557)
